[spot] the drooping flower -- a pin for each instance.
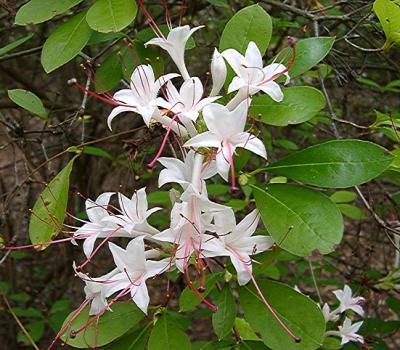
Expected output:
(141, 97)
(239, 244)
(252, 76)
(348, 302)
(134, 270)
(181, 172)
(175, 45)
(134, 215)
(218, 73)
(226, 133)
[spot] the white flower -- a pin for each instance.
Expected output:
(328, 315)
(141, 97)
(134, 214)
(239, 244)
(348, 332)
(134, 270)
(252, 76)
(226, 133)
(348, 302)
(96, 290)
(187, 103)
(98, 225)
(182, 172)
(218, 73)
(175, 45)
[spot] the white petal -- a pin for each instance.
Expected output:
(206, 139)
(116, 111)
(251, 143)
(140, 296)
(88, 245)
(236, 84)
(243, 268)
(253, 56)
(273, 90)
(222, 166)
(234, 58)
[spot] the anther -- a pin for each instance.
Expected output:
(72, 81)
(201, 289)
(292, 41)
(72, 334)
(234, 189)
(297, 339)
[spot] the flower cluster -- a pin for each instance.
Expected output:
(348, 330)
(209, 133)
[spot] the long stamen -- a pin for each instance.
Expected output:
(163, 143)
(39, 245)
(68, 324)
(150, 20)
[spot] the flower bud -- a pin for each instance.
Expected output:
(243, 180)
(218, 72)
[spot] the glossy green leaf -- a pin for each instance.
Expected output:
(309, 52)
(253, 345)
(299, 313)
(166, 335)
(97, 151)
(224, 318)
(388, 14)
(110, 326)
(111, 15)
(334, 164)
(299, 219)
(132, 340)
(38, 11)
(48, 213)
(29, 101)
(351, 211)
(331, 343)
(250, 24)
(343, 197)
(300, 103)
(188, 300)
(65, 42)
(14, 44)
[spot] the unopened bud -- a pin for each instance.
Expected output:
(243, 179)
(218, 72)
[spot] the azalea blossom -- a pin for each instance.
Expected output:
(239, 244)
(218, 73)
(181, 172)
(96, 290)
(348, 302)
(187, 103)
(134, 270)
(328, 315)
(252, 75)
(141, 98)
(226, 133)
(98, 225)
(175, 45)
(133, 216)
(348, 332)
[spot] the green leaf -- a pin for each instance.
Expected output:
(38, 11)
(14, 44)
(136, 340)
(65, 42)
(388, 14)
(29, 101)
(97, 151)
(351, 211)
(48, 213)
(299, 313)
(110, 326)
(109, 74)
(309, 52)
(111, 15)
(188, 300)
(394, 304)
(335, 164)
(299, 219)
(224, 318)
(250, 24)
(343, 197)
(300, 103)
(331, 343)
(218, 3)
(166, 335)
(245, 330)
